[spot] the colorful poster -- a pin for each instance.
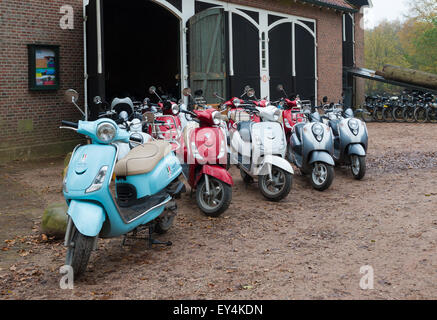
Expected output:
(45, 67)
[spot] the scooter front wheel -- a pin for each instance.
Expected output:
(217, 200)
(79, 252)
(322, 176)
(358, 167)
(278, 186)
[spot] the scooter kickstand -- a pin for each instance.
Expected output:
(154, 241)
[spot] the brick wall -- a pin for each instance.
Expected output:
(31, 119)
(359, 58)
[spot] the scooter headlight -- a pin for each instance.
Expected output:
(354, 125)
(98, 180)
(175, 109)
(318, 132)
(106, 132)
(216, 118)
(236, 102)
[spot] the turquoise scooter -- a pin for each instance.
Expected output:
(147, 181)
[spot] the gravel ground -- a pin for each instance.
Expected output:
(309, 246)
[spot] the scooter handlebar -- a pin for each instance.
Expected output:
(135, 139)
(70, 124)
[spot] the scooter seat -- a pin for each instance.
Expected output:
(142, 159)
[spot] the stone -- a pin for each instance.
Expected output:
(54, 220)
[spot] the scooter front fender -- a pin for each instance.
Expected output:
(321, 156)
(356, 150)
(217, 172)
(88, 217)
(270, 160)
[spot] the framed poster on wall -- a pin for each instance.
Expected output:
(43, 67)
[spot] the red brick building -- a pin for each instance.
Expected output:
(111, 48)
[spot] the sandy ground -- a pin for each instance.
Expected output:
(310, 246)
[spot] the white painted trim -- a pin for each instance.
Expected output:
(85, 60)
(231, 45)
(99, 39)
(293, 39)
(170, 7)
(344, 28)
(316, 71)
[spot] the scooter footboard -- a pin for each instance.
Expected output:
(270, 160)
(217, 172)
(357, 150)
(321, 156)
(88, 217)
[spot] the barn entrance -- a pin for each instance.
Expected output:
(141, 45)
(131, 45)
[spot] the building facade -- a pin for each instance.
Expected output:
(114, 48)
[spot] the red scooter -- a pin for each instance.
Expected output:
(165, 123)
(235, 105)
(206, 156)
(292, 114)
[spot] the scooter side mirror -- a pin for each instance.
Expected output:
(280, 87)
(251, 93)
(186, 92)
(97, 100)
(71, 96)
(152, 90)
(325, 99)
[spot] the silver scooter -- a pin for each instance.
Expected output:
(350, 138)
(312, 149)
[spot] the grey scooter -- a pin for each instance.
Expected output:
(312, 148)
(350, 138)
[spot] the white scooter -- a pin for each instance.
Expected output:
(258, 149)
(134, 127)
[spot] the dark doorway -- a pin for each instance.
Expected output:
(141, 49)
(246, 56)
(348, 58)
(305, 64)
(281, 60)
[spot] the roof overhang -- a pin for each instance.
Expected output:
(326, 4)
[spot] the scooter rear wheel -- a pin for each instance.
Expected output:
(78, 254)
(322, 176)
(219, 199)
(278, 187)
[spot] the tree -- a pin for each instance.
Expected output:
(411, 44)
(383, 46)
